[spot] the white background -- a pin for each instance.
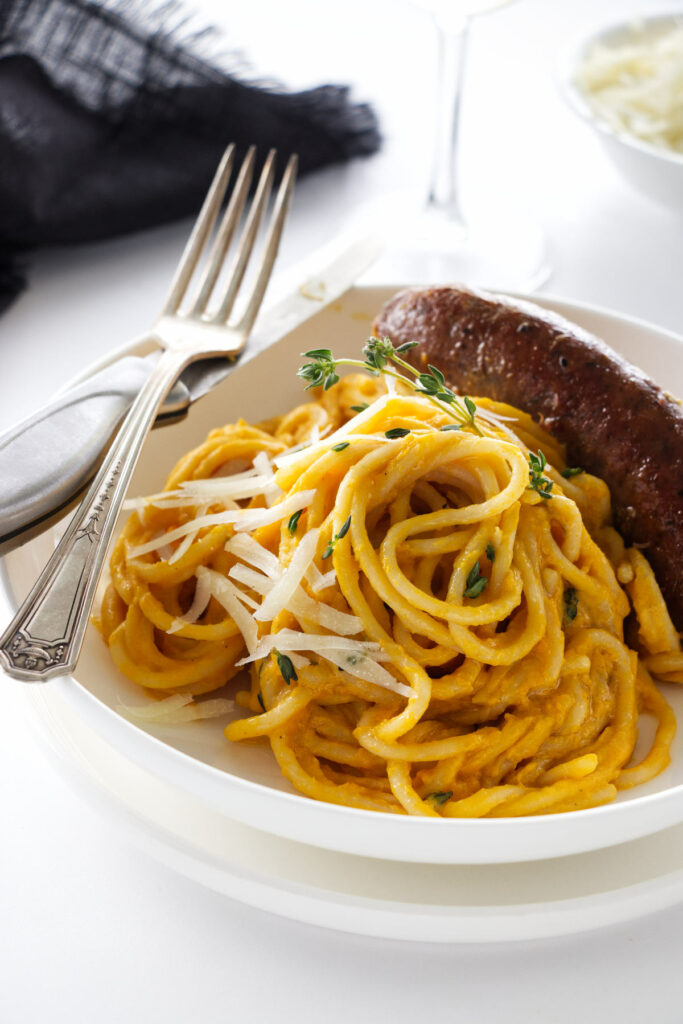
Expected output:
(90, 929)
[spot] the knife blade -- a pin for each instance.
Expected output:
(47, 460)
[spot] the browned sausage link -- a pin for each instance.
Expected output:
(615, 422)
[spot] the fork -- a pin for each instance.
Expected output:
(45, 637)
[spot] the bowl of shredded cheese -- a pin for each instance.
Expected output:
(626, 81)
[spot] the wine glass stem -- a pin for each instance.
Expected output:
(443, 196)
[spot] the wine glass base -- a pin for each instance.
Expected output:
(503, 253)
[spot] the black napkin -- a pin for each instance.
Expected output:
(111, 122)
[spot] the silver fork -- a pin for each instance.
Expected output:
(45, 637)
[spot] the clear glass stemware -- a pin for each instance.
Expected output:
(438, 242)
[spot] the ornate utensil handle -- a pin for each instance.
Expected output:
(44, 638)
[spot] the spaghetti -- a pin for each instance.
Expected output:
(431, 614)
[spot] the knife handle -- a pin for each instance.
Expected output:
(44, 638)
(48, 459)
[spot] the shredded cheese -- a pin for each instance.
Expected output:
(200, 601)
(271, 492)
(227, 594)
(284, 589)
(178, 709)
(636, 87)
(320, 580)
(357, 657)
(241, 519)
(250, 551)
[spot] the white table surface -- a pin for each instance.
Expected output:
(90, 929)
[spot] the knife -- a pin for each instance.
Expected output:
(48, 459)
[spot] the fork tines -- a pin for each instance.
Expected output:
(224, 235)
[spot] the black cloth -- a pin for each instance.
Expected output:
(111, 121)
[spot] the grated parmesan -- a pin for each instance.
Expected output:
(200, 601)
(178, 709)
(227, 594)
(636, 87)
(241, 519)
(282, 592)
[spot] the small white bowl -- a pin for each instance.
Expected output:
(652, 170)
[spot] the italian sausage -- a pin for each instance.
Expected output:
(615, 422)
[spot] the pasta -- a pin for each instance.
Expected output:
(430, 615)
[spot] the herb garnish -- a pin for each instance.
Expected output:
(294, 521)
(396, 432)
(322, 371)
(338, 536)
(571, 471)
(379, 353)
(475, 582)
(341, 446)
(287, 670)
(537, 482)
(260, 700)
(490, 552)
(440, 798)
(360, 408)
(571, 603)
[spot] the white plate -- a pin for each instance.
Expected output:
(415, 902)
(242, 781)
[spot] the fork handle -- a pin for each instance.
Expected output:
(45, 637)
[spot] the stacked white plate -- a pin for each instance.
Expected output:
(221, 814)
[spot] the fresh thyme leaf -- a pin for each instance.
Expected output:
(344, 530)
(452, 426)
(476, 589)
(338, 536)
(260, 700)
(437, 374)
(490, 552)
(294, 521)
(318, 353)
(473, 574)
(537, 482)
(321, 372)
(571, 603)
(406, 346)
(396, 432)
(475, 582)
(571, 471)
(440, 798)
(378, 352)
(360, 408)
(287, 670)
(429, 383)
(341, 446)
(471, 407)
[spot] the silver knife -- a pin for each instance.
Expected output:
(47, 460)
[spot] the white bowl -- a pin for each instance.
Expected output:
(653, 171)
(242, 782)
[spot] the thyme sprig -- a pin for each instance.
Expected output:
(379, 354)
(537, 481)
